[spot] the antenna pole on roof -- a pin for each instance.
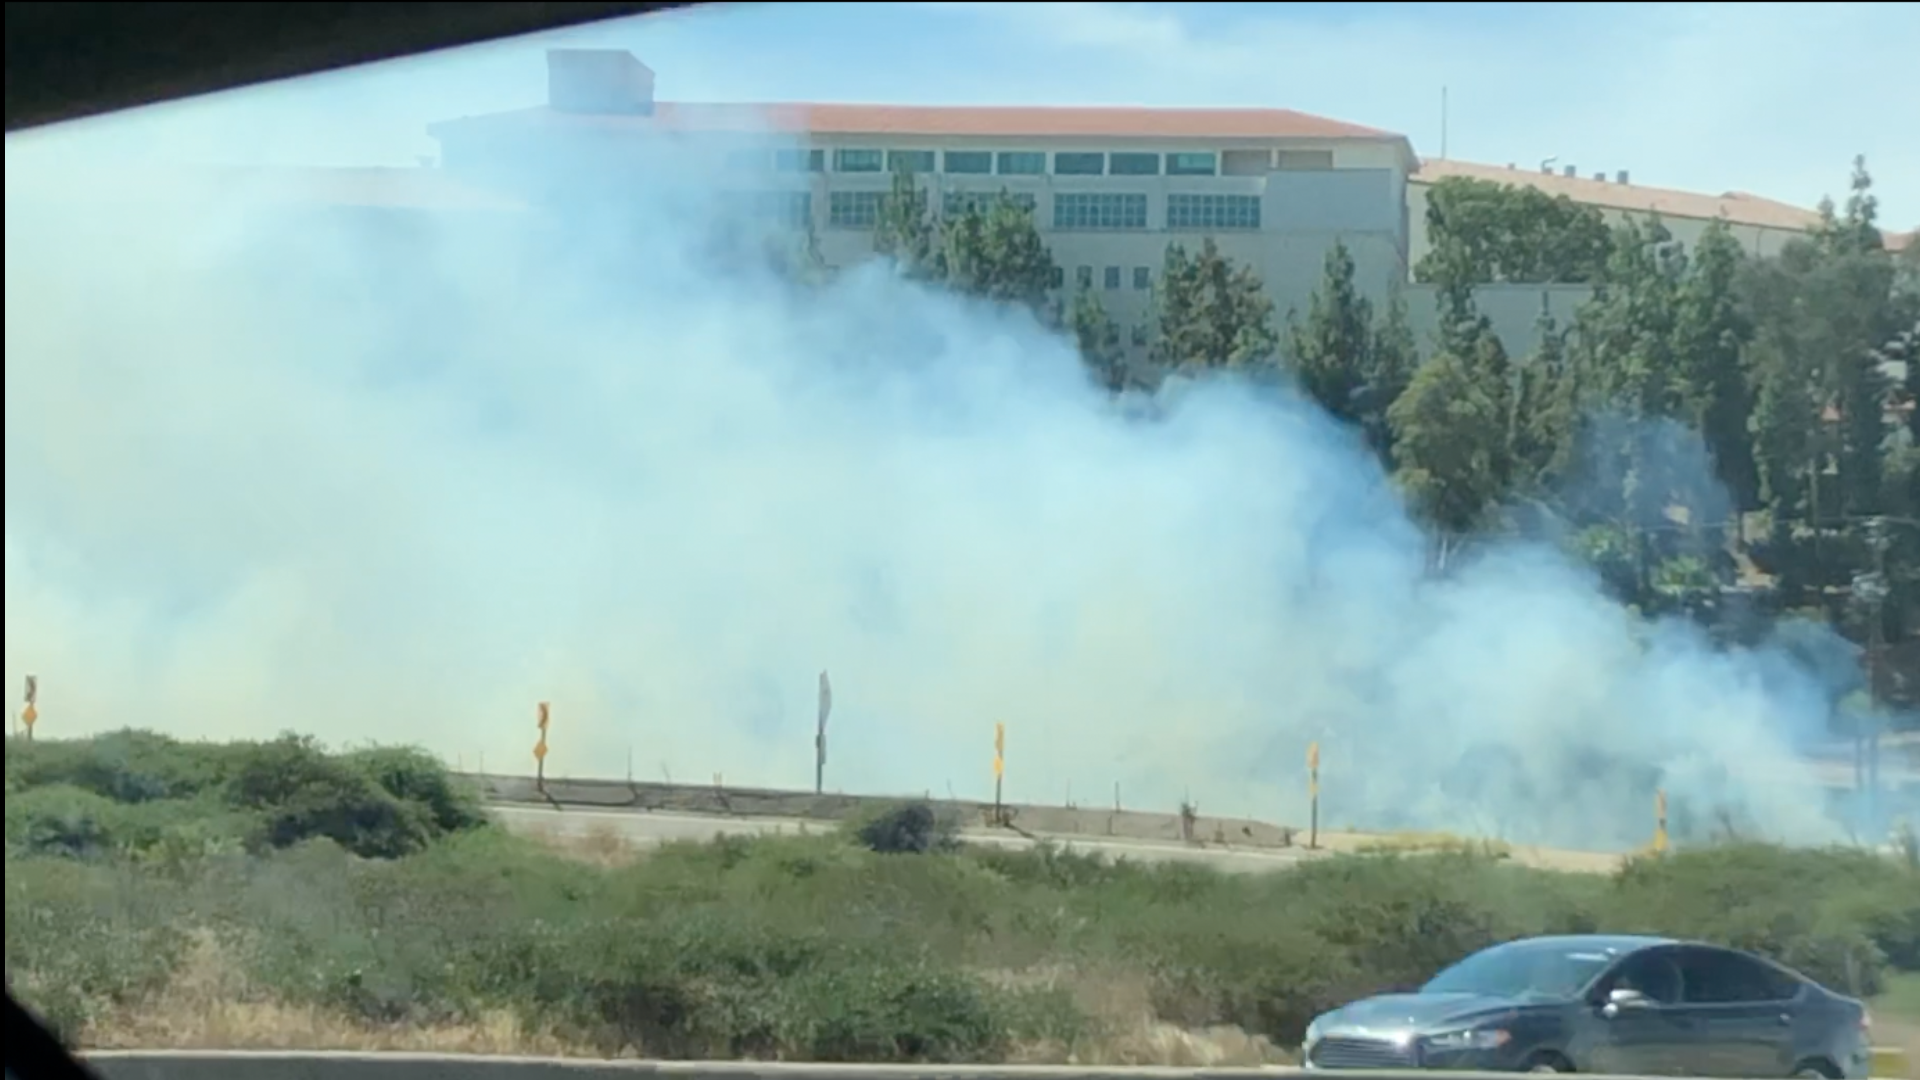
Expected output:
(1443, 123)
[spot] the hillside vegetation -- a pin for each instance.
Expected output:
(367, 888)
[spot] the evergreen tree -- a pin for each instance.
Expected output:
(1210, 313)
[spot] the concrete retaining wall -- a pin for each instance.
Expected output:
(1063, 821)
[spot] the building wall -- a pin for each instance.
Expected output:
(1308, 194)
(1514, 311)
(1759, 240)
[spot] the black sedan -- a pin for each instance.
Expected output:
(1640, 1006)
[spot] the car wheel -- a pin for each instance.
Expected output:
(1548, 1066)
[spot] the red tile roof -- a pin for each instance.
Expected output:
(950, 121)
(1737, 207)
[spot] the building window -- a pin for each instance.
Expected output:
(910, 161)
(1022, 163)
(1203, 212)
(1195, 164)
(1111, 279)
(957, 203)
(854, 209)
(794, 161)
(1136, 164)
(1083, 276)
(1246, 162)
(1142, 278)
(1305, 160)
(1106, 210)
(1139, 333)
(969, 162)
(1057, 277)
(1078, 164)
(792, 209)
(856, 160)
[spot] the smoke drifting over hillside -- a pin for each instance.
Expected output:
(379, 480)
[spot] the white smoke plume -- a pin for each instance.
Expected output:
(400, 480)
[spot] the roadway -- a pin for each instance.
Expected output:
(643, 829)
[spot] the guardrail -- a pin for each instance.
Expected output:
(270, 1065)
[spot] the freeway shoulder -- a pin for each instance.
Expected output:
(295, 1065)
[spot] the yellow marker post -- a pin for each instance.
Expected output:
(29, 702)
(1313, 795)
(544, 715)
(999, 771)
(1659, 821)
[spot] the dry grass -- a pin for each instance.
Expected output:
(599, 844)
(210, 1005)
(1126, 1030)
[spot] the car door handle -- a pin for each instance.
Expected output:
(1784, 1019)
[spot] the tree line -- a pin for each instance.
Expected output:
(1723, 436)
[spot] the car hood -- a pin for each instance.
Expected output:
(1416, 1012)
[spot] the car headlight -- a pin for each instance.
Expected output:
(1473, 1039)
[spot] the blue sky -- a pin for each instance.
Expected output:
(1769, 98)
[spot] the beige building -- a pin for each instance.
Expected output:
(1762, 226)
(1111, 188)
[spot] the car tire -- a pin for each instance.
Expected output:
(1547, 1066)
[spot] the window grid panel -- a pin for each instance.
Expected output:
(1213, 211)
(857, 161)
(1111, 278)
(1079, 164)
(854, 209)
(913, 161)
(957, 203)
(969, 162)
(1022, 163)
(1191, 164)
(1107, 211)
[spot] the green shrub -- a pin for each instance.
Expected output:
(1839, 915)
(414, 776)
(83, 938)
(369, 889)
(907, 828)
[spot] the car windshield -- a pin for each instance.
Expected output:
(1522, 969)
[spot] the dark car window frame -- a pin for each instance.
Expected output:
(1604, 983)
(1755, 972)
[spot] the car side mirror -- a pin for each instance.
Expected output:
(1620, 999)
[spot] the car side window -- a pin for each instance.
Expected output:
(1652, 973)
(1715, 977)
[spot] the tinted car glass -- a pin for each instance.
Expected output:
(1521, 969)
(1652, 973)
(1713, 977)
